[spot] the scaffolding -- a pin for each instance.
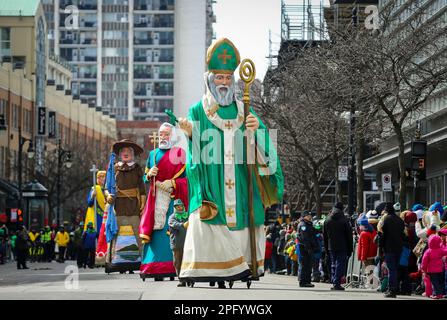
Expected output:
(302, 20)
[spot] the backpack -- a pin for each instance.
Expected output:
(420, 247)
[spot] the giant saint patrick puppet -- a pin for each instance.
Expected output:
(222, 239)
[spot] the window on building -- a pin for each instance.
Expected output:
(15, 116)
(3, 105)
(166, 72)
(116, 17)
(88, 72)
(164, 21)
(2, 162)
(166, 55)
(142, 72)
(163, 89)
(5, 42)
(115, 52)
(88, 88)
(116, 35)
(166, 37)
(27, 121)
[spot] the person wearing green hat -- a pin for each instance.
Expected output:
(77, 239)
(219, 232)
(178, 223)
(89, 246)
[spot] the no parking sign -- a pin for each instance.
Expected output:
(386, 182)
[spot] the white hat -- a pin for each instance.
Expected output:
(397, 206)
(372, 214)
(419, 213)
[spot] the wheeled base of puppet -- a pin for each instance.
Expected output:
(247, 280)
(121, 268)
(158, 277)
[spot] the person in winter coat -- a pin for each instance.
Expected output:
(89, 246)
(391, 242)
(318, 255)
(281, 243)
(337, 235)
(62, 239)
(287, 249)
(443, 234)
(432, 264)
(367, 248)
(308, 246)
(22, 247)
(178, 224)
(77, 239)
(268, 253)
(403, 278)
(410, 219)
(275, 242)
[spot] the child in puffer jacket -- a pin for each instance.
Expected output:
(443, 234)
(432, 265)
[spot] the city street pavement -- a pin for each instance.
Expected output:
(47, 281)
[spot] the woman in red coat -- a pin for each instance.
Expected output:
(367, 249)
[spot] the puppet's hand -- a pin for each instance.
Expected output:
(252, 123)
(110, 199)
(166, 185)
(186, 126)
(153, 172)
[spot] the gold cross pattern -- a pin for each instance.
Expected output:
(230, 184)
(230, 212)
(224, 56)
(154, 137)
(210, 113)
(228, 125)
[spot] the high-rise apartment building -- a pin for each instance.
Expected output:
(128, 54)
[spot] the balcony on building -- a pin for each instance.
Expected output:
(142, 72)
(149, 5)
(80, 4)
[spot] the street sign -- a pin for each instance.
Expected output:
(386, 182)
(41, 121)
(51, 124)
(13, 216)
(343, 173)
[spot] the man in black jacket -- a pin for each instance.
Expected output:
(308, 245)
(337, 235)
(391, 241)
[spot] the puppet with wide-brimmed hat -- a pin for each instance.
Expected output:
(126, 196)
(126, 143)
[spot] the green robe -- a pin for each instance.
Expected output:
(207, 181)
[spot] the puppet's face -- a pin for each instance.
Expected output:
(126, 154)
(179, 208)
(165, 137)
(100, 180)
(222, 82)
(222, 88)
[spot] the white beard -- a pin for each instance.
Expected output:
(165, 145)
(223, 99)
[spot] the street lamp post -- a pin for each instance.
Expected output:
(22, 142)
(63, 157)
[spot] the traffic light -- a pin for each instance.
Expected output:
(19, 216)
(419, 157)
